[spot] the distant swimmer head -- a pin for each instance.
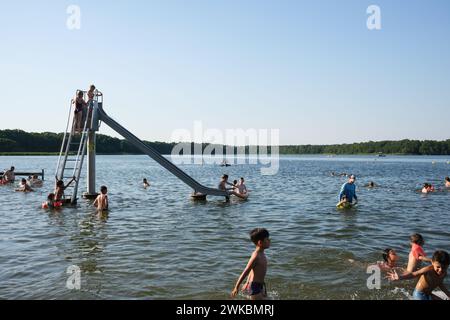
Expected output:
(447, 179)
(235, 182)
(60, 183)
(24, 181)
(51, 196)
(103, 189)
(242, 180)
(417, 238)
(225, 177)
(371, 184)
(92, 87)
(80, 94)
(352, 178)
(12, 168)
(390, 256)
(440, 261)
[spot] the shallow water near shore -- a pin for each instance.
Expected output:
(157, 243)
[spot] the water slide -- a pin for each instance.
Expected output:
(155, 155)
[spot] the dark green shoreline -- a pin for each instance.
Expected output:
(44, 154)
(21, 143)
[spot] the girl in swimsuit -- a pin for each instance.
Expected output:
(80, 107)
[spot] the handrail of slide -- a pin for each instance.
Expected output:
(64, 138)
(155, 155)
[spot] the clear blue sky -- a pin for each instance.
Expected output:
(309, 68)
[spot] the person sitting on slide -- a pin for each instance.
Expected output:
(235, 184)
(224, 182)
(223, 186)
(349, 190)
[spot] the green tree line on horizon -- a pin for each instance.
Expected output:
(19, 141)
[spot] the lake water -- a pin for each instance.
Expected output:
(158, 244)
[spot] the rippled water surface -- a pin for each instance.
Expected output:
(158, 244)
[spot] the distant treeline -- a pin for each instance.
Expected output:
(18, 141)
(410, 147)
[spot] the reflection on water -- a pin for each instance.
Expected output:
(157, 243)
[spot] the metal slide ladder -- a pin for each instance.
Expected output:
(72, 153)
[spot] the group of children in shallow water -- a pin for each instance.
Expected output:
(427, 187)
(430, 277)
(237, 188)
(56, 199)
(26, 185)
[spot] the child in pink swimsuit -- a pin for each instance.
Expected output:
(417, 253)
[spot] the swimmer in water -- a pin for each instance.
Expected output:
(146, 184)
(370, 185)
(102, 200)
(447, 182)
(427, 188)
(24, 186)
(9, 176)
(35, 181)
(390, 260)
(51, 203)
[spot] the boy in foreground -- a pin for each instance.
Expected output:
(256, 268)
